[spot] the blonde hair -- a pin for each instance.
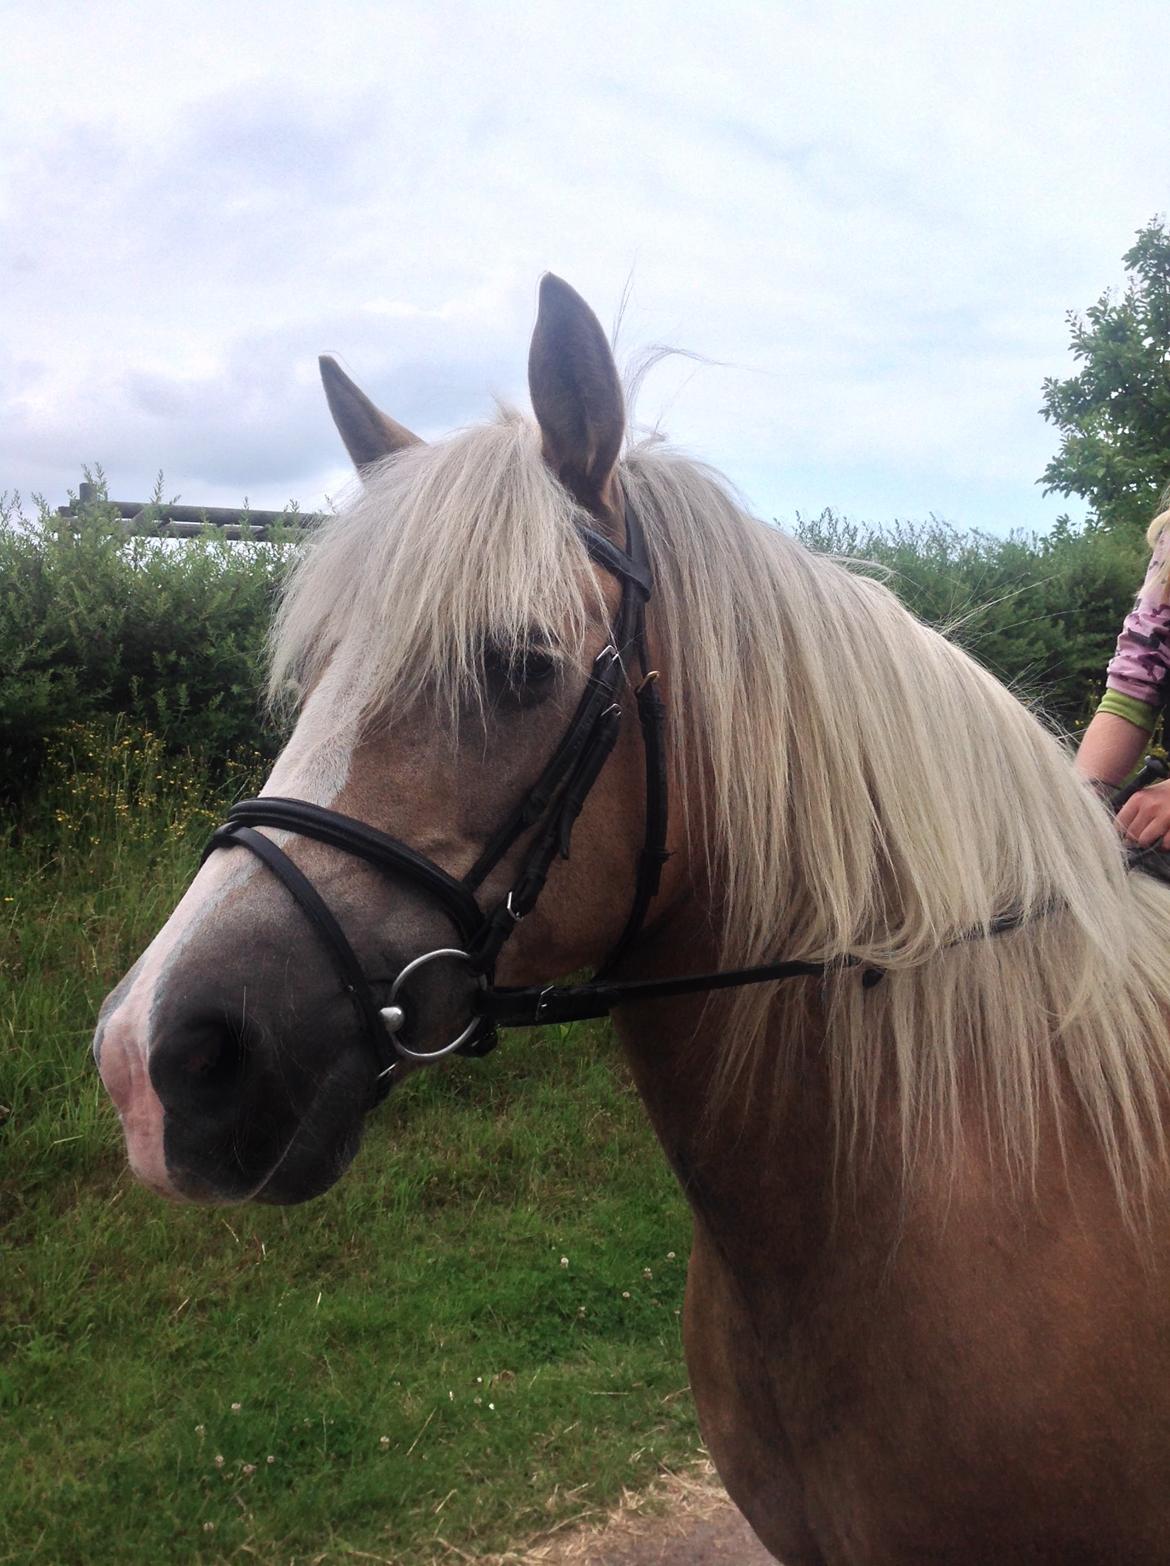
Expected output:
(1155, 531)
(852, 784)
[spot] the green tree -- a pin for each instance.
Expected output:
(1114, 414)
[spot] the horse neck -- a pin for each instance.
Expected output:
(754, 1156)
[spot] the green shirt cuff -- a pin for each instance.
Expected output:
(1129, 708)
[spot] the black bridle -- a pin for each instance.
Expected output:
(552, 806)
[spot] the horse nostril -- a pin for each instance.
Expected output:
(201, 1065)
(217, 1061)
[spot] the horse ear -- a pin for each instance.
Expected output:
(576, 394)
(368, 433)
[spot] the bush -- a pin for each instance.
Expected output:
(168, 633)
(1041, 613)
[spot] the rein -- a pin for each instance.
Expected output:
(552, 805)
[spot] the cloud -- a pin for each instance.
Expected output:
(874, 218)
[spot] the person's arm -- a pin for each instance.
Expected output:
(1108, 753)
(1136, 681)
(1111, 746)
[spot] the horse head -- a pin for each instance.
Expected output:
(461, 643)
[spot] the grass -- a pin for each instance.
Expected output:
(473, 1337)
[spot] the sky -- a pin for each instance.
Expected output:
(867, 222)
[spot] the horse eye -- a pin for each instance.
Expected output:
(538, 665)
(520, 668)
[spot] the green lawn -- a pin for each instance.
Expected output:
(473, 1336)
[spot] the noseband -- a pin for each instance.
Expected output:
(551, 806)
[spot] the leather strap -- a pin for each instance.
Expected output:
(627, 564)
(598, 694)
(320, 916)
(652, 716)
(518, 1008)
(364, 842)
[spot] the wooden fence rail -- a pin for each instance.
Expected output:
(167, 521)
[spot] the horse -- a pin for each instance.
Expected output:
(895, 1008)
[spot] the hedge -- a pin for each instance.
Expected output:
(167, 633)
(1041, 612)
(170, 633)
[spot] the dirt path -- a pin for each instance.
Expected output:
(685, 1520)
(723, 1539)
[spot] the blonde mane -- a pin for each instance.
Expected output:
(854, 784)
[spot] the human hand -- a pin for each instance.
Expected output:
(1145, 819)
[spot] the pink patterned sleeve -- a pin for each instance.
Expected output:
(1140, 667)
